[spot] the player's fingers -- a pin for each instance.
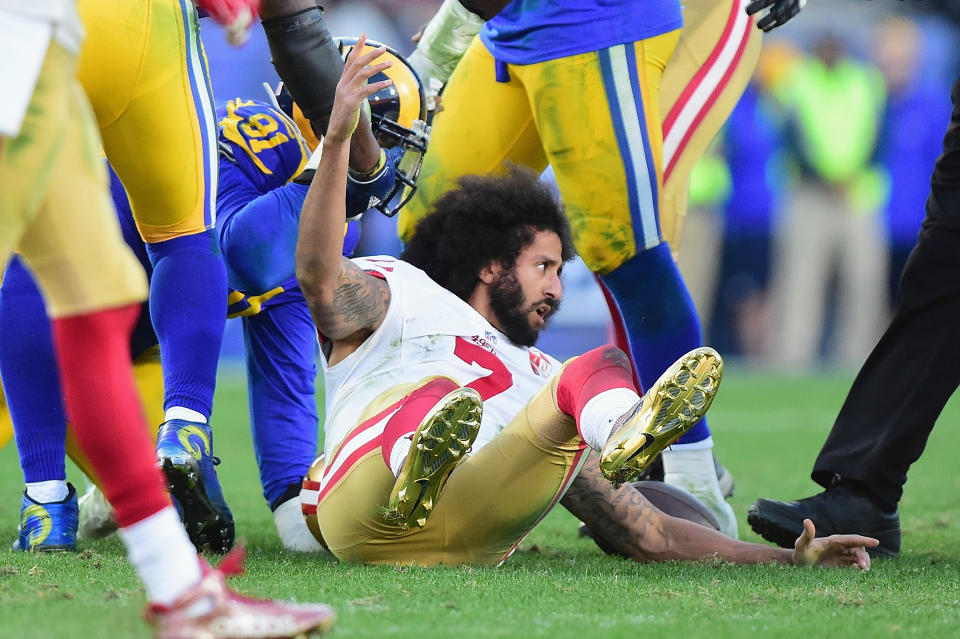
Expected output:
(371, 70)
(809, 531)
(767, 23)
(361, 69)
(365, 59)
(239, 29)
(851, 541)
(355, 52)
(758, 5)
(418, 35)
(373, 87)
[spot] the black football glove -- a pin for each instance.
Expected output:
(779, 14)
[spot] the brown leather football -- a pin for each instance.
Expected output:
(677, 502)
(674, 501)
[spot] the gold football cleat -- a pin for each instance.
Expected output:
(440, 443)
(671, 407)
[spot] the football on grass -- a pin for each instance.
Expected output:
(674, 501)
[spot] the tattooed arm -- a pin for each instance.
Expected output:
(346, 303)
(632, 526)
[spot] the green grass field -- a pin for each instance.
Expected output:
(768, 431)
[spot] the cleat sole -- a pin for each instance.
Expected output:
(439, 444)
(678, 400)
(205, 526)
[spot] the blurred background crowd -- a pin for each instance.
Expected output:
(804, 210)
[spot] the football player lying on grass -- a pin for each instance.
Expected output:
(448, 435)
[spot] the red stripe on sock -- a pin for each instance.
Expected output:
(101, 399)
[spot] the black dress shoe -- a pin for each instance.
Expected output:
(839, 510)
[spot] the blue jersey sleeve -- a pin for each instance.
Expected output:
(260, 239)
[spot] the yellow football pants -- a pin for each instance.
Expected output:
(145, 71)
(622, 127)
(593, 117)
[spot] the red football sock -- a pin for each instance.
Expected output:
(101, 399)
(415, 407)
(600, 369)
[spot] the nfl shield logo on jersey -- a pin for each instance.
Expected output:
(539, 363)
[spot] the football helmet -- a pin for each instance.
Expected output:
(398, 116)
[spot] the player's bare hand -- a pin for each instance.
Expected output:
(835, 550)
(353, 89)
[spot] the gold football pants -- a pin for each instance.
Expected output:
(55, 207)
(489, 504)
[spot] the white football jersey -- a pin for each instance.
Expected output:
(61, 14)
(427, 331)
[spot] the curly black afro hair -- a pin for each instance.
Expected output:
(486, 219)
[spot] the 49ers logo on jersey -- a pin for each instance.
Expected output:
(539, 363)
(484, 344)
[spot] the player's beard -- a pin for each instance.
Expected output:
(511, 309)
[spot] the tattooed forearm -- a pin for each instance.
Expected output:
(359, 304)
(621, 519)
(625, 523)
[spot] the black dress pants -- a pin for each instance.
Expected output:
(896, 398)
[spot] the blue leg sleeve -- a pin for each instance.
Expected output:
(280, 348)
(188, 307)
(31, 383)
(660, 319)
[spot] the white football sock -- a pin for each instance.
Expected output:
(292, 527)
(161, 552)
(186, 414)
(47, 492)
(690, 467)
(399, 454)
(598, 416)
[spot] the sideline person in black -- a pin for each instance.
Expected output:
(903, 386)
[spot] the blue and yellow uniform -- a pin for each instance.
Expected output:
(573, 84)
(145, 71)
(259, 204)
